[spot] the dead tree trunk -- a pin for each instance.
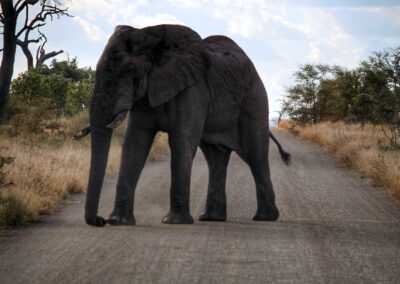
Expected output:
(9, 20)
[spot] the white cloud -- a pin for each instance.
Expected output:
(314, 28)
(90, 8)
(141, 21)
(241, 17)
(112, 11)
(188, 3)
(94, 32)
(391, 13)
(315, 54)
(118, 12)
(356, 52)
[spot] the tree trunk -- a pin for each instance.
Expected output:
(27, 52)
(9, 48)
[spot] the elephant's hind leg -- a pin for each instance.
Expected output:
(217, 160)
(136, 146)
(254, 151)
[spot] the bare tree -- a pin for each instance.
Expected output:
(12, 37)
(285, 104)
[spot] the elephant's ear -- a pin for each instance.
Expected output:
(180, 65)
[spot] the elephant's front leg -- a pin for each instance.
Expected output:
(183, 150)
(136, 146)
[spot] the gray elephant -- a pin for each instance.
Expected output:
(203, 93)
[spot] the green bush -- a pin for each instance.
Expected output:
(12, 210)
(63, 86)
(78, 97)
(41, 96)
(30, 120)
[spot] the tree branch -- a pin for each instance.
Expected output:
(37, 26)
(16, 4)
(39, 20)
(41, 55)
(44, 56)
(25, 24)
(27, 52)
(40, 49)
(23, 5)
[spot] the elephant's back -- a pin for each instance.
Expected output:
(225, 49)
(231, 69)
(220, 43)
(230, 79)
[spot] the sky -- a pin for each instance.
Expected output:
(278, 36)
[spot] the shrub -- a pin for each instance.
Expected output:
(12, 210)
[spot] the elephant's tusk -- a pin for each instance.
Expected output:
(82, 133)
(117, 120)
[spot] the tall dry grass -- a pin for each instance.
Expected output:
(49, 167)
(367, 151)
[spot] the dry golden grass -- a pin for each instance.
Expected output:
(44, 173)
(366, 150)
(43, 176)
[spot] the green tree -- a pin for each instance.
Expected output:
(330, 103)
(363, 108)
(379, 79)
(69, 69)
(387, 65)
(371, 93)
(79, 95)
(11, 13)
(33, 88)
(347, 87)
(303, 96)
(62, 87)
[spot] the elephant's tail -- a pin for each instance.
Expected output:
(284, 155)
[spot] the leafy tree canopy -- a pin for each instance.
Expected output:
(63, 87)
(370, 92)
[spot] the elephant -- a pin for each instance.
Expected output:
(204, 93)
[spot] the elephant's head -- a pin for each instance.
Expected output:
(158, 62)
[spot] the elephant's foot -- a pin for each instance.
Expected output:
(97, 221)
(174, 217)
(266, 215)
(116, 219)
(213, 214)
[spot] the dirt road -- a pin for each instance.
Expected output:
(334, 228)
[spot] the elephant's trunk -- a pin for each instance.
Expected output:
(101, 138)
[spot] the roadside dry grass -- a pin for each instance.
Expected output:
(48, 167)
(367, 151)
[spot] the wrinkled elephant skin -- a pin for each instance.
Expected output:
(202, 92)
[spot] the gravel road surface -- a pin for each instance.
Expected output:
(334, 228)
